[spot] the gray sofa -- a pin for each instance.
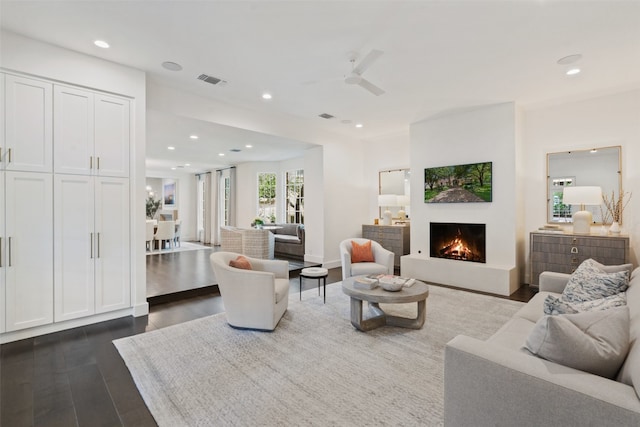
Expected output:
(289, 241)
(497, 383)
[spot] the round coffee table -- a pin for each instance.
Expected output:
(418, 292)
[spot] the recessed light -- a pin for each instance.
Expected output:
(187, 164)
(171, 66)
(569, 59)
(173, 168)
(149, 188)
(171, 148)
(594, 151)
(221, 154)
(101, 43)
(249, 146)
(266, 95)
(573, 71)
(358, 125)
(193, 136)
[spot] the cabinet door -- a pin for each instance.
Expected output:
(29, 268)
(28, 124)
(112, 136)
(112, 244)
(3, 146)
(73, 131)
(74, 247)
(3, 255)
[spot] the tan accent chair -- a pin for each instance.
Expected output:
(253, 299)
(231, 239)
(258, 243)
(383, 260)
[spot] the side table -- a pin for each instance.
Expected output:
(315, 273)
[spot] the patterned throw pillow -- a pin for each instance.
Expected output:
(240, 262)
(590, 282)
(361, 253)
(554, 305)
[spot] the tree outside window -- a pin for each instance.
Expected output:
(294, 210)
(267, 197)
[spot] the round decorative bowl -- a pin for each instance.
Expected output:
(391, 285)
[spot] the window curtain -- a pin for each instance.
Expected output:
(232, 197)
(216, 215)
(203, 182)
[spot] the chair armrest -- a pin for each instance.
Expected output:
(346, 264)
(385, 257)
(485, 384)
(550, 281)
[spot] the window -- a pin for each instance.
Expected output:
(294, 209)
(267, 197)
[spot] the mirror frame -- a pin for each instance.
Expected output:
(407, 180)
(548, 175)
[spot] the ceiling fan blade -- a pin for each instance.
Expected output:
(371, 87)
(367, 61)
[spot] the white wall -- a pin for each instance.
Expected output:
(44, 60)
(597, 122)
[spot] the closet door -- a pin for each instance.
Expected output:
(113, 277)
(28, 124)
(73, 131)
(74, 243)
(29, 252)
(112, 136)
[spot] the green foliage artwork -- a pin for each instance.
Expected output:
(152, 206)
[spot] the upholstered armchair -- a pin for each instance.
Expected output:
(383, 259)
(258, 243)
(256, 298)
(231, 239)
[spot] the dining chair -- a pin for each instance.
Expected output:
(166, 232)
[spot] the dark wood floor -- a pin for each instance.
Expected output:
(77, 378)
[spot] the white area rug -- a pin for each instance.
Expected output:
(314, 369)
(184, 247)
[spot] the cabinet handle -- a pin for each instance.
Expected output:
(98, 162)
(98, 254)
(90, 162)
(9, 153)
(91, 241)
(9, 252)
(574, 250)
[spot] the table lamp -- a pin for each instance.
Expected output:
(386, 201)
(582, 196)
(403, 201)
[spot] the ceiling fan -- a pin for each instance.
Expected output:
(355, 77)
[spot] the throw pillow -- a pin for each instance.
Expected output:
(361, 253)
(593, 341)
(554, 305)
(240, 262)
(590, 282)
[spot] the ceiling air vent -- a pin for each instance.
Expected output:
(212, 80)
(326, 116)
(235, 150)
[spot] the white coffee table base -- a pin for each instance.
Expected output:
(380, 318)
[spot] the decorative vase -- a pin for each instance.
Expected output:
(615, 228)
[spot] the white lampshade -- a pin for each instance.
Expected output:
(404, 201)
(585, 195)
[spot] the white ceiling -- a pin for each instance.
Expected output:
(438, 56)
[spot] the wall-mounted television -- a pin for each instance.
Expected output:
(470, 183)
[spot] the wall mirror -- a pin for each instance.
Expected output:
(599, 167)
(395, 181)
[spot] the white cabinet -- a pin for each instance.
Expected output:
(91, 133)
(92, 270)
(28, 124)
(28, 253)
(3, 255)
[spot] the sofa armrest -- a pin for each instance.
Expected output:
(489, 385)
(550, 281)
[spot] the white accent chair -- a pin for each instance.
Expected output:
(165, 232)
(256, 298)
(149, 234)
(383, 259)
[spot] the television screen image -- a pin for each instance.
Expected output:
(470, 183)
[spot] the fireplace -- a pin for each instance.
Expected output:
(462, 242)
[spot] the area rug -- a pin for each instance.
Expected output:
(184, 247)
(314, 369)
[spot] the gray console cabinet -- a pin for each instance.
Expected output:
(392, 237)
(562, 253)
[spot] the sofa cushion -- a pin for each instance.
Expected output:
(532, 310)
(630, 371)
(513, 334)
(361, 252)
(287, 238)
(555, 305)
(240, 262)
(592, 341)
(590, 282)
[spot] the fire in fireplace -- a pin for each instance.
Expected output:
(463, 242)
